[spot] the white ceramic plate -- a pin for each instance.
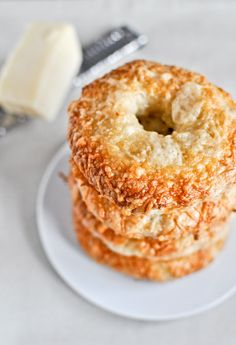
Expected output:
(111, 290)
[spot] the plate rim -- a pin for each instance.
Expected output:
(55, 159)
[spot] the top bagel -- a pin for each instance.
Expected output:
(149, 136)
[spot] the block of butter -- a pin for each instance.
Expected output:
(38, 73)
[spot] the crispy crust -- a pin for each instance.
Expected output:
(163, 249)
(135, 183)
(145, 268)
(163, 226)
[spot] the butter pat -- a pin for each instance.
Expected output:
(38, 73)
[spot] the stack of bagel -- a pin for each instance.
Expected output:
(152, 169)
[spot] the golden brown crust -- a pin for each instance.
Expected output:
(160, 248)
(146, 268)
(99, 137)
(161, 225)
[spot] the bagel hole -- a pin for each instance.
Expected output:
(152, 122)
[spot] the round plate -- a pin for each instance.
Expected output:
(114, 291)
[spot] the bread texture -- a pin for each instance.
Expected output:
(151, 136)
(152, 169)
(162, 225)
(143, 268)
(164, 249)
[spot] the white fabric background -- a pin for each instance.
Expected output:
(36, 307)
